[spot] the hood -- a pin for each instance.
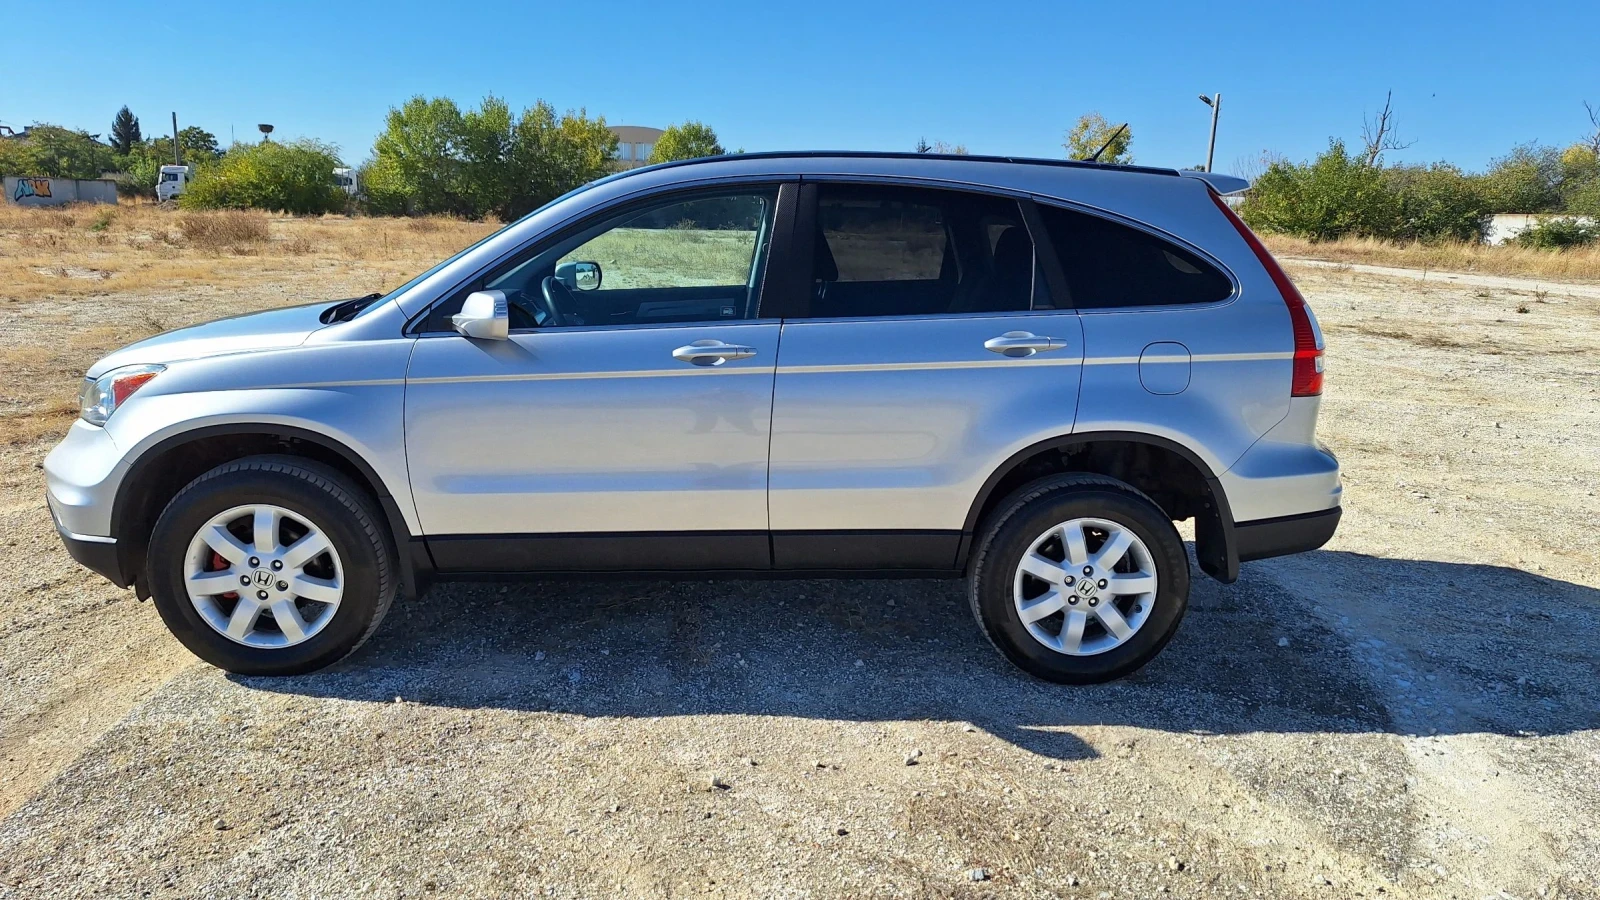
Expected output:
(273, 329)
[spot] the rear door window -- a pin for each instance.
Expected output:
(892, 251)
(1108, 264)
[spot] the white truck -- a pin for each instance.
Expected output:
(172, 181)
(346, 179)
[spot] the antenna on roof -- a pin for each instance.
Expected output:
(1114, 135)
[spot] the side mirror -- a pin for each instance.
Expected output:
(483, 316)
(579, 276)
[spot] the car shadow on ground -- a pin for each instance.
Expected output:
(1313, 656)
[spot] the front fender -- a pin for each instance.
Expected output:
(349, 397)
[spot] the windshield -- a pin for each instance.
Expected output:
(473, 246)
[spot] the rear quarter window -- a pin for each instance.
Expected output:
(1108, 264)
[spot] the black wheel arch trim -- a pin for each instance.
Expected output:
(1216, 546)
(414, 560)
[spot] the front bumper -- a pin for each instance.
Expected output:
(1266, 538)
(96, 554)
(81, 478)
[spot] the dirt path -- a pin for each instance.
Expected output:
(1530, 286)
(1413, 711)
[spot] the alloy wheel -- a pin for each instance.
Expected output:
(1085, 586)
(264, 576)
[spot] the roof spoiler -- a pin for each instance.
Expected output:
(1222, 184)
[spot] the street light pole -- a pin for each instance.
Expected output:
(1215, 102)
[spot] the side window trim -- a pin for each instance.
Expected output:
(1044, 257)
(1043, 244)
(785, 289)
(417, 325)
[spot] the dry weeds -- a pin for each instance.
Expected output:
(228, 228)
(67, 252)
(1571, 265)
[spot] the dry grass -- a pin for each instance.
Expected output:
(1570, 265)
(80, 251)
(102, 277)
(224, 229)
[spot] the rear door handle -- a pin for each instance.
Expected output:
(1022, 343)
(711, 353)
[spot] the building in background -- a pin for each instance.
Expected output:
(634, 143)
(1504, 227)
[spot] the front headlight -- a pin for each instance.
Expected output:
(100, 397)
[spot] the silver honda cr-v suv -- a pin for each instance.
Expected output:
(1021, 372)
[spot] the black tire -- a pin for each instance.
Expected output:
(1027, 514)
(324, 496)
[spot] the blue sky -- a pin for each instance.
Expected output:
(1470, 79)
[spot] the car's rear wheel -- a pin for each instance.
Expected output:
(271, 566)
(1079, 579)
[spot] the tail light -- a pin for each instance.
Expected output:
(1307, 381)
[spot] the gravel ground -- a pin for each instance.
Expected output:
(1413, 711)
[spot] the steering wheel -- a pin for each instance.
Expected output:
(557, 300)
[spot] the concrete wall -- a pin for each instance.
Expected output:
(1506, 226)
(58, 191)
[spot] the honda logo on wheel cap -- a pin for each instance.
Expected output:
(262, 578)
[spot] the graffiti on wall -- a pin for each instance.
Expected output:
(31, 187)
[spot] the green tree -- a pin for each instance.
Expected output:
(416, 165)
(1527, 180)
(16, 158)
(1437, 202)
(1580, 179)
(434, 158)
(1091, 133)
(554, 154)
(125, 132)
(56, 152)
(295, 177)
(1335, 195)
(691, 140)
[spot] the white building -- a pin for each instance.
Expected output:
(634, 143)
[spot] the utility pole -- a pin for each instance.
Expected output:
(177, 154)
(1215, 102)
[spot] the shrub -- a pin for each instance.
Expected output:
(1559, 234)
(1432, 203)
(1527, 180)
(1583, 197)
(293, 178)
(223, 228)
(1333, 196)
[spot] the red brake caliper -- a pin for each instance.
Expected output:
(219, 564)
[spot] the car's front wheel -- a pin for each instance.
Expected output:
(1079, 579)
(271, 566)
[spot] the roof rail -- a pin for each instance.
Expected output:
(1222, 184)
(906, 154)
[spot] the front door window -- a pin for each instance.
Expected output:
(687, 260)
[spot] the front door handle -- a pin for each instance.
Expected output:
(1022, 343)
(711, 353)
